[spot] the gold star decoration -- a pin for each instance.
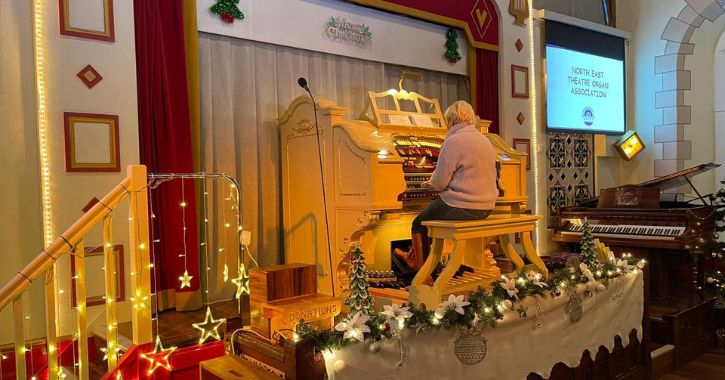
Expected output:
(105, 352)
(185, 280)
(210, 327)
(242, 281)
(158, 358)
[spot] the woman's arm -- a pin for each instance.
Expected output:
(446, 166)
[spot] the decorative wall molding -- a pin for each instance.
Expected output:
(89, 76)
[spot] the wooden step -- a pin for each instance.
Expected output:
(663, 360)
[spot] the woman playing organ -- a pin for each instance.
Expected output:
(465, 177)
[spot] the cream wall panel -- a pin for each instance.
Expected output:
(115, 95)
(20, 213)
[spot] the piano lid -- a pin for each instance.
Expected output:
(664, 183)
(680, 178)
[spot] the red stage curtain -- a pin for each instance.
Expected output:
(487, 87)
(165, 145)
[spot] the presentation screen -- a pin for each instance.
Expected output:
(585, 87)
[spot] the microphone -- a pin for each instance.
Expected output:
(303, 83)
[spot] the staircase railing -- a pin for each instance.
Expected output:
(134, 186)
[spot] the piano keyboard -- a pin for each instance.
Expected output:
(628, 231)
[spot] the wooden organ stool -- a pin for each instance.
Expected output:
(469, 240)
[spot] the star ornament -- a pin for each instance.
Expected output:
(158, 358)
(185, 280)
(242, 281)
(210, 327)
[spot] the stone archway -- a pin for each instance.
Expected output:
(676, 114)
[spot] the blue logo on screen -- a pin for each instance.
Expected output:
(588, 116)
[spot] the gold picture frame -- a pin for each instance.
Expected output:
(91, 142)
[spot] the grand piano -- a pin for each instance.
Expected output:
(650, 221)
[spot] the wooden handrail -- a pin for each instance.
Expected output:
(45, 259)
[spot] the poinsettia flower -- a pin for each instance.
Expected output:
(624, 266)
(535, 279)
(454, 302)
(396, 312)
(586, 272)
(509, 284)
(354, 326)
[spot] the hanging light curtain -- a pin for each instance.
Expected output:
(165, 146)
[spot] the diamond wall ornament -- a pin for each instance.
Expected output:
(520, 118)
(519, 45)
(89, 76)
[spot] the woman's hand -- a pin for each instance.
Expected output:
(426, 185)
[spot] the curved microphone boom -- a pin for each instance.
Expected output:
(302, 82)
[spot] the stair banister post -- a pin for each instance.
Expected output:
(140, 255)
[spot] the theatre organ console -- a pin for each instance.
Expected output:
(373, 168)
(675, 237)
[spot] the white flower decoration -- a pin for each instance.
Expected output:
(453, 303)
(640, 264)
(509, 284)
(586, 272)
(354, 326)
(624, 266)
(535, 279)
(396, 312)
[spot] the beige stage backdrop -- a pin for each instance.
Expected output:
(245, 87)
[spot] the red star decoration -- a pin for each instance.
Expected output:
(158, 358)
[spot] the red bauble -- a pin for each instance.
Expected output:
(364, 303)
(386, 326)
(227, 17)
(452, 60)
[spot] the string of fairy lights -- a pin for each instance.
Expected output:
(158, 358)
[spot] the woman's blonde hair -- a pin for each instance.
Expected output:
(460, 112)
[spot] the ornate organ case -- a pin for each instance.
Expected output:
(371, 177)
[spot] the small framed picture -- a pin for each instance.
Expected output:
(91, 20)
(524, 145)
(519, 82)
(95, 279)
(91, 142)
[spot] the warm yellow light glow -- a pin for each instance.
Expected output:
(629, 145)
(185, 280)
(538, 201)
(210, 327)
(42, 119)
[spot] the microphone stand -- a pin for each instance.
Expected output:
(324, 188)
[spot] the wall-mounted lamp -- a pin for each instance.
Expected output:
(629, 145)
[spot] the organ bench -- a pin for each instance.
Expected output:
(470, 239)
